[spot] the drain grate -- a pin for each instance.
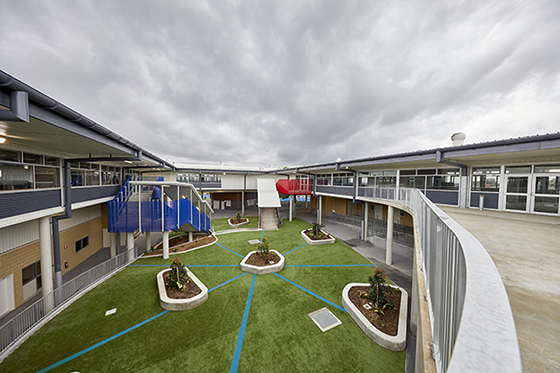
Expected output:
(324, 319)
(254, 242)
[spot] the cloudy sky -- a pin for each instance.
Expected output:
(292, 82)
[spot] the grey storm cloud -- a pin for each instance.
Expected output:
(292, 82)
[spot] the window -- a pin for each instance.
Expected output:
(31, 273)
(412, 181)
(15, 177)
(547, 169)
(9, 156)
(92, 178)
(46, 177)
(485, 179)
(445, 182)
(78, 177)
(51, 161)
(518, 169)
(82, 244)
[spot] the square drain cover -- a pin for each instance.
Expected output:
(324, 319)
(254, 242)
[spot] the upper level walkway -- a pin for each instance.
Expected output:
(526, 251)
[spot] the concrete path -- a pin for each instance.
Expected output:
(526, 250)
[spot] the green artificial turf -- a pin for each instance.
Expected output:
(279, 335)
(222, 223)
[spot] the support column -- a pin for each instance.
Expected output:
(242, 203)
(148, 241)
(463, 188)
(130, 245)
(291, 206)
(319, 210)
(365, 215)
(190, 236)
(113, 244)
(389, 252)
(165, 245)
(46, 255)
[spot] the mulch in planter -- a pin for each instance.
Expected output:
(309, 234)
(191, 289)
(237, 221)
(387, 323)
(261, 260)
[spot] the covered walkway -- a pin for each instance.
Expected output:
(526, 251)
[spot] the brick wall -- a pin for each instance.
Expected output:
(15, 260)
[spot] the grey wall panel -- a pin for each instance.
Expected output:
(490, 199)
(18, 203)
(90, 193)
(445, 197)
(344, 191)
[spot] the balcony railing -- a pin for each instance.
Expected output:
(473, 329)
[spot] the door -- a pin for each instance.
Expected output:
(546, 193)
(517, 192)
(7, 294)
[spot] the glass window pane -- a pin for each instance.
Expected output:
(92, 178)
(546, 204)
(46, 177)
(431, 171)
(518, 169)
(517, 184)
(549, 168)
(485, 170)
(16, 177)
(31, 158)
(547, 185)
(77, 178)
(408, 172)
(485, 183)
(28, 273)
(51, 161)
(386, 181)
(412, 181)
(448, 182)
(8, 156)
(516, 202)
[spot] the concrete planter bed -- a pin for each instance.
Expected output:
(272, 268)
(180, 304)
(393, 343)
(237, 225)
(179, 248)
(322, 241)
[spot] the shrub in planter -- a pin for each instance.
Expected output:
(378, 290)
(264, 247)
(178, 276)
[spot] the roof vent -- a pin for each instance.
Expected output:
(458, 138)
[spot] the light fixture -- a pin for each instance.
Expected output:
(2, 140)
(224, 174)
(127, 161)
(26, 167)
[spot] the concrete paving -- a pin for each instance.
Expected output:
(526, 251)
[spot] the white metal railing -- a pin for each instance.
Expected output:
(473, 329)
(13, 332)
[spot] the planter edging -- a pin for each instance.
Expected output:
(318, 242)
(238, 225)
(150, 255)
(180, 304)
(392, 343)
(265, 269)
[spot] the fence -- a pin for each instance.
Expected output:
(16, 328)
(472, 322)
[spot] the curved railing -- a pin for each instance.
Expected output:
(472, 324)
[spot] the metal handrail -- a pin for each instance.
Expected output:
(23, 324)
(472, 322)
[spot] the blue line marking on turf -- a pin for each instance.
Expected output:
(228, 281)
(101, 343)
(329, 265)
(229, 250)
(237, 354)
(295, 249)
(148, 265)
(262, 235)
(312, 293)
